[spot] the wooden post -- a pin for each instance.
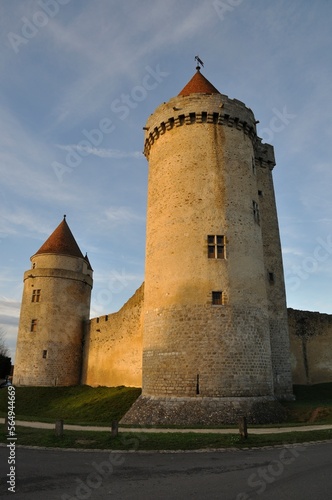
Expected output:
(59, 428)
(243, 428)
(115, 428)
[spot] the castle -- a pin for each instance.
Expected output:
(207, 334)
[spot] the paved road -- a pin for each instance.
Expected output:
(300, 472)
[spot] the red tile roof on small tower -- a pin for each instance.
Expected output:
(86, 258)
(198, 85)
(61, 242)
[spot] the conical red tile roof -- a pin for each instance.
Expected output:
(86, 258)
(198, 85)
(61, 242)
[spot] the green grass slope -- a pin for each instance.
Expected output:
(101, 405)
(77, 404)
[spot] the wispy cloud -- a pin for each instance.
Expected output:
(9, 318)
(123, 214)
(86, 36)
(101, 152)
(22, 220)
(9, 307)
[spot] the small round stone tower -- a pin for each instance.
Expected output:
(55, 307)
(207, 354)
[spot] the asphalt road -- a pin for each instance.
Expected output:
(283, 473)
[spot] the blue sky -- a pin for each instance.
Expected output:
(79, 79)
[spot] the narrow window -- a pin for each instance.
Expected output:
(106, 317)
(33, 326)
(44, 354)
(253, 164)
(35, 296)
(216, 246)
(260, 193)
(271, 278)
(217, 298)
(204, 116)
(255, 210)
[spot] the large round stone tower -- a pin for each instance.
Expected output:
(55, 307)
(214, 275)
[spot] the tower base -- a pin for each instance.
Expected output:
(203, 411)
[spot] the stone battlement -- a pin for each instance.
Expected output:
(197, 108)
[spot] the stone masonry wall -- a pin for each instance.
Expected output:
(49, 345)
(113, 346)
(276, 295)
(210, 357)
(113, 355)
(202, 182)
(311, 346)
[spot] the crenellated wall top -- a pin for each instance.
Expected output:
(199, 108)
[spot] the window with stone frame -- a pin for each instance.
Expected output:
(216, 246)
(35, 295)
(217, 298)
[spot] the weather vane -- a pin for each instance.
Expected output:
(199, 62)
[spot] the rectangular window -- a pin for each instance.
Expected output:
(216, 246)
(45, 354)
(271, 278)
(255, 209)
(217, 298)
(33, 326)
(35, 296)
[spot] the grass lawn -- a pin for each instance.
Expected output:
(313, 404)
(76, 405)
(99, 406)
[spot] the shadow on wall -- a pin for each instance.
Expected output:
(311, 346)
